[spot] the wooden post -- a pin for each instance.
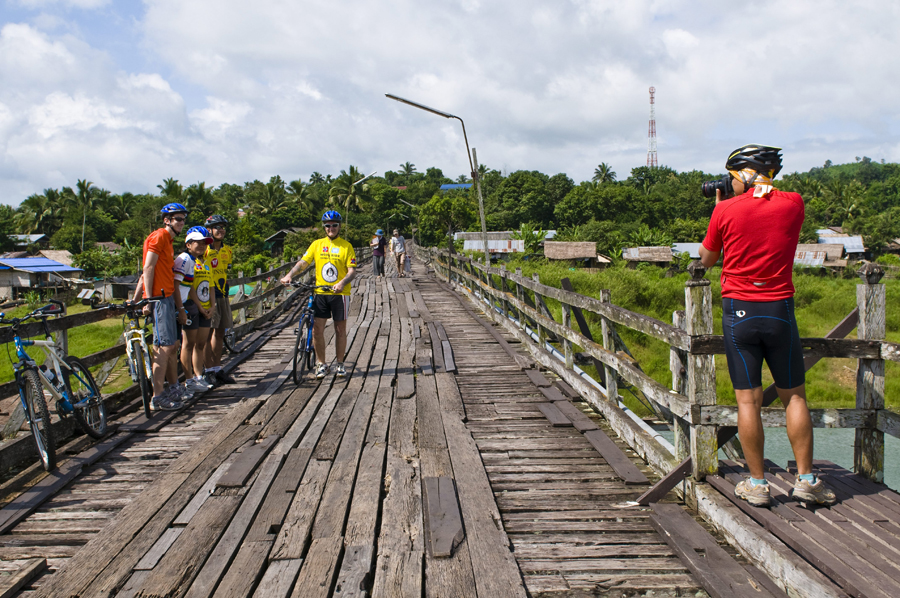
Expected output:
(701, 371)
(242, 313)
(868, 450)
(609, 374)
(567, 344)
(520, 295)
(539, 301)
(62, 337)
(504, 304)
(678, 366)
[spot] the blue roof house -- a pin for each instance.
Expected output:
(18, 275)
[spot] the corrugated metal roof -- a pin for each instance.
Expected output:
(449, 186)
(499, 246)
(691, 248)
(851, 244)
(809, 259)
(28, 238)
(37, 264)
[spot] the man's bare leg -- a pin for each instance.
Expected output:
(319, 339)
(750, 429)
(161, 363)
(799, 426)
(340, 340)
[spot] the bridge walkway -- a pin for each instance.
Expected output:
(438, 467)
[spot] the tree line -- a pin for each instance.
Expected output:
(651, 206)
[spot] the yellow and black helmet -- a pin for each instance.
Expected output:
(764, 159)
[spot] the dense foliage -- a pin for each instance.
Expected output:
(652, 206)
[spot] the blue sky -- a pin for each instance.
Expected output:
(128, 93)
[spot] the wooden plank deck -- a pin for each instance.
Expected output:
(402, 479)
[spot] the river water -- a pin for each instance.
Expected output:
(830, 444)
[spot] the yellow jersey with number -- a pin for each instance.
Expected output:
(219, 260)
(332, 260)
(203, 283)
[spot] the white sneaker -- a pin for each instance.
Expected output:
(321, 370)
(182, 393)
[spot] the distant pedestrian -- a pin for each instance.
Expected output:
(398, 250)
(758, 226)
(378, 246)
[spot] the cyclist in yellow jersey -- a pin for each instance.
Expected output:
(219, 257)
(335, 264)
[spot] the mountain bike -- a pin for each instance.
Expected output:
(304, 354)
(137, 351)
(68, 380)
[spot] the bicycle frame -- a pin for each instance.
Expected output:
(50, 349)
(134, 332)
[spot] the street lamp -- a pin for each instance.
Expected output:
(473, 164)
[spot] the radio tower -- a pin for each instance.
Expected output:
(651, 150)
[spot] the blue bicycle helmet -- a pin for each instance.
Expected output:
(331, 216)
(198, 233)
(173, 208)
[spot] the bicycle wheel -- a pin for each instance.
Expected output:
(145, 385)
(39, 418)
(91, 413)
(301, 351)
(228, 340)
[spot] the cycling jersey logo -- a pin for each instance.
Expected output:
(203, 291)
(215, 262)
(329, 273)
(741, 313)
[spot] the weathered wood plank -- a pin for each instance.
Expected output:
(355, 575)
(623, 466)
(11, 585)
(443, 523)
(554, 415)
(318, 570)
(278, 579)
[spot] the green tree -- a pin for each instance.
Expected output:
(445, 214)
(407, 170)
(347, 194)
(81, 201)
(603, 174)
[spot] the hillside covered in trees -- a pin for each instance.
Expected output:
(649, 207)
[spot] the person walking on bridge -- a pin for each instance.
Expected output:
(398, 250)
(378, 244)
(335, 264)
(757, 227)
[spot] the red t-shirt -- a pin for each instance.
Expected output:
(160, 243)
(759, 236)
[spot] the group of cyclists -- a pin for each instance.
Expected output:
(197, 316)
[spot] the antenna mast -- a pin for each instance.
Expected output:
(651, 150)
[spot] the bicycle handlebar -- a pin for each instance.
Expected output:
(312, 287)
(129, 305)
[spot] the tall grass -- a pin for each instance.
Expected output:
(821, 302)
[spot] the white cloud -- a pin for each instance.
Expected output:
(226, 91)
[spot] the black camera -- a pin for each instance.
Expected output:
(708, 189)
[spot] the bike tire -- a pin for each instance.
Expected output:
(228, 341)
(143, 381)
(39, 418)
(301, 353)
(79, 385)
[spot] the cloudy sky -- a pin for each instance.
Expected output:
(127, 93)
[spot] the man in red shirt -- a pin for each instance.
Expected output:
(758, 228)
(159, 279)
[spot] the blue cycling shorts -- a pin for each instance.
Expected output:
(762, 331)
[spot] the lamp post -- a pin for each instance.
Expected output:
(473, 164)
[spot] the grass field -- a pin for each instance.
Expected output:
(821, 302)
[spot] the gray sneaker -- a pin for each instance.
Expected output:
(758, 496)
(164, 403)
(181, 393)
(817, 493)
(196, 386)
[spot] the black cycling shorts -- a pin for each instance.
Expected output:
(757, 331)
(336, 307)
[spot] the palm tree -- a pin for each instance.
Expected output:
(316, 178)
(172, 189)
(298, 192)
(482, 171)
(82, 200)
(346, 193)
(462, 179)
(121, 207)
(272, 200)
(603, 174)
(407, 170)
(37, 213)
(199, 197)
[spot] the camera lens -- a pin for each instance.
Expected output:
(708, 189)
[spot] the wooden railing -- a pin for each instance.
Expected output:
(700, 424)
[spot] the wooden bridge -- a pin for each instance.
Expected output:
(458, 458)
